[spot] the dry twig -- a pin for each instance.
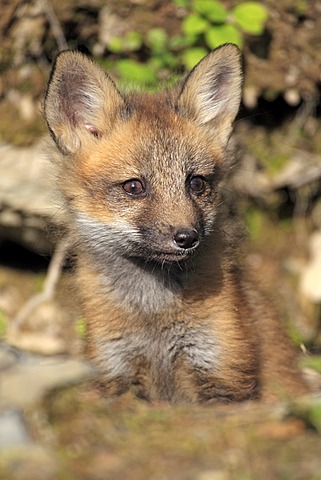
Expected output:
(55, 25)
(49, 289)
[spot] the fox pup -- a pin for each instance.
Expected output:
(167, 308)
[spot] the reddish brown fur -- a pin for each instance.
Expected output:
(180, 323)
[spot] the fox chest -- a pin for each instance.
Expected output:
(158, 356)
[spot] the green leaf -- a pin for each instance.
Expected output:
(251, 17)
(220, 34)
(3, 323)
(182, 3)
(192, 56)
(315, 416)
(80, 327)
(169, 59)
(194, 24)
(157, 39)
(163, 60)
(131, 71)
(179, 42)
(313, 362)
(115, 45)
(255, 223)
(213, 10)
(132, 41)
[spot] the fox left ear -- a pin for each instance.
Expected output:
(211, 94)
(81, 101)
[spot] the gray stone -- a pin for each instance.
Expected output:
(12, 429)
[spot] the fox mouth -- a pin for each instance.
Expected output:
(170, 256)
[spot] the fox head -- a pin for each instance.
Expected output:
(141, 171)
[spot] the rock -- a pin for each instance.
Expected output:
(25, 378)
(29, 201)
(40, 343)
(12, 430)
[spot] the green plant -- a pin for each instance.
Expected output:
(131, 71)
(313, 362)
(210, 24)
(3, 323)
(80, 327)
(207, 24)
(255, 223)
(309, 411)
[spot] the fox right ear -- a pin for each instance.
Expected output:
(81, 100)
(211, 93)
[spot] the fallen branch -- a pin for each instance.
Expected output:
(49, 289)
(55, 26)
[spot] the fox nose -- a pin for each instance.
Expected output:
(186, 238)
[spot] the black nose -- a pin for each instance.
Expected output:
(186, 238)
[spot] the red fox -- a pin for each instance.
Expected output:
(169, 312)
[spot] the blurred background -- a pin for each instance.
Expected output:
(277, 185)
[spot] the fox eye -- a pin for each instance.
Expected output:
(133, 187)
(197, 184)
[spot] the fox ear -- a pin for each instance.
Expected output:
(211, 94)
(81, 100)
